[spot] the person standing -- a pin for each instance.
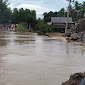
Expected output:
(7, 27)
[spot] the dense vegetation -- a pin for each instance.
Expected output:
(42, 27)
(19, 16)
(76, 12)
(5, 12)
(27, 16)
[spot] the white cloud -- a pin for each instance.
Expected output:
(39, 8)
(11, 6)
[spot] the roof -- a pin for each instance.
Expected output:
(61, 20)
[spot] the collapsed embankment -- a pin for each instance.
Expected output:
(77, 32)
(75, 79)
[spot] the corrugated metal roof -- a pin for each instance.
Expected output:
(61, 20)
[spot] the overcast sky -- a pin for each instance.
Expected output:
(40, 6)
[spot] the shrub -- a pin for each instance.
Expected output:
(43, 27)
(22, 27)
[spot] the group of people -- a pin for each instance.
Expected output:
(8, 27)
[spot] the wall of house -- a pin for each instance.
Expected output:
(60, 27)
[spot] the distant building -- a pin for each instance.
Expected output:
(59, 23)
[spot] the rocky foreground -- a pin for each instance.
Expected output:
(77, 32)
(75, 79)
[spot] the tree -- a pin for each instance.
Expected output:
(82, 10)
(15, 16)
(78, 11)
(55, 14)
(47, 16)
(5, 12)
(61, 13)
(30, 20)
(33, 12)
(77, 5)
(42, 27)
(24, 15)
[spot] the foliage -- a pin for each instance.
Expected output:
(42, 27)
(24, 15)
(47, 16)
(61, 13)
(22, 27)
(29, 16)
(5, 12)
(76, 12)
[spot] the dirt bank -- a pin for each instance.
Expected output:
(77, 32)
(75, 79)
(59, 36)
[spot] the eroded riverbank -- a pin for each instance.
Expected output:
(29, 59)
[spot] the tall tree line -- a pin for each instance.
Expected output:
(76, 12)
(24, 15)
(29, 16)
(5, 12)
(16, 16)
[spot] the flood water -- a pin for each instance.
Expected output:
(29, 59)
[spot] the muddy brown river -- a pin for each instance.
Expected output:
(29, 59)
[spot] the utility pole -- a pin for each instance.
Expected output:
(68, 15)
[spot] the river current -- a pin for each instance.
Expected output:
(29, 59)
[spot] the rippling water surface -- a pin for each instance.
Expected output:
(29, 59)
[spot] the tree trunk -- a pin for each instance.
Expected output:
(29, 26)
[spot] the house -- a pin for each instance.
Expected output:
(59, 23)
